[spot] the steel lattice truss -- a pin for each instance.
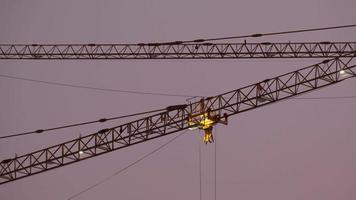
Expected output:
(176, 50)
(173, 120)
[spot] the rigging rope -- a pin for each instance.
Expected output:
(79, 124)
(255, 35)
(125, 168)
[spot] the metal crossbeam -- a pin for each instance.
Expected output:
(177, 118)
(176, 50)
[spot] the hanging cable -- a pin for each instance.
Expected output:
(125, 168)
(200, 172)
(215, 154)
(95, 88)
(125, 116)
(257, 35)
(148, 93)
(319, 98)
(80, 124)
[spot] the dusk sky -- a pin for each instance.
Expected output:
(298, 149)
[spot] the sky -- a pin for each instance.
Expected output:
(290, 150)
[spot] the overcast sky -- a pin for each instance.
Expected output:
(291, 150)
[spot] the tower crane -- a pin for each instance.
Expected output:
(202, 114)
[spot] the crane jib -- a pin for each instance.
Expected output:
(178, 50)
(203, 113)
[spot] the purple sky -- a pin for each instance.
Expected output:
(292, 150)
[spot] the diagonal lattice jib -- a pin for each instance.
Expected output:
(164, 123)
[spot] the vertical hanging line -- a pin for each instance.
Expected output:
(200, 177)
(215, 145)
